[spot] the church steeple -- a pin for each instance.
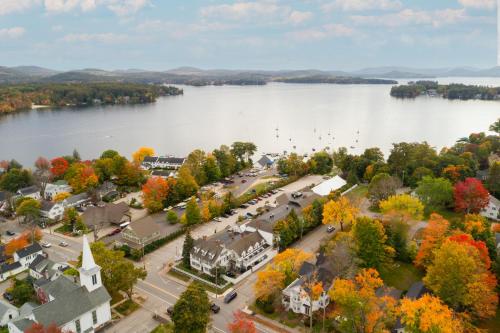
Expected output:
(90, 273)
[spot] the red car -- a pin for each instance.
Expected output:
(114, 232)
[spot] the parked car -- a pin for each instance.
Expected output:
(46, 245)
(330, 229)
(243, 181)
(244, 206)
(114, 232)
(217, 219)
(63, 244)
(8, 296)
(232, 212)
(274, 191)
(215, 308)
(170, 311)
(10, 233)
(225, 215)
(249, 215)
(229, 297)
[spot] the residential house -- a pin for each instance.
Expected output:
(297, 295)
(163, 173)
(8, 312)
(328, 186)
(29, 192)
(71, 306)
(492, 211)
(21, 260)
(141, 232)
(46, 269)
(149, 162)
(77, 200)
(107, 214)
(107, 191)
(236, 252)
(53, 189)
(51, 210)
(266, 161)
(163, 162)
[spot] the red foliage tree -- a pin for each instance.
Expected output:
(39, 328)
(241, 324)
(470, 196)
(479, 245)
(154, 192)
(59, 166)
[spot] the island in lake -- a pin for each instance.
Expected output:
(449, 91)
(23, 96)
(334, 80)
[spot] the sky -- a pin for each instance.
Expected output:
(258, 34)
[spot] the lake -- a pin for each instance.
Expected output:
(276, 117)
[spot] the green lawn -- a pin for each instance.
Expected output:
(400, 275)
(163, 328)
(448, 214)
(127, 307)
(358, 193)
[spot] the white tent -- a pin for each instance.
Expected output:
(329, 185)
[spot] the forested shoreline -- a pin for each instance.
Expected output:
(452, 91)
(23, 96)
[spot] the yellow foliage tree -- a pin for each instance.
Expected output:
(269, 282)
(339, 211)
(141, 153)
(428, 315)
(403, 206)
(61, 196)
(289, 262)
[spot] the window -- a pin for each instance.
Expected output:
(78, 327)
(94, 279)
(94, 317)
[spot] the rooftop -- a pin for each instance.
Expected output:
(329, 185)
(144, 227)
(28, 250)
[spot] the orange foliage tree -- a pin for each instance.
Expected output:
(17, 243)
(269, 283)
(59, 166)
(82, 177)
(241, 324)
(428, 315)
(359, 306)
(154, 193)
(39, 328)
(433, 236)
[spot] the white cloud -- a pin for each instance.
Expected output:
(297, 17)
(11, 33)
(478, 4)
(323, 32)
(107, 38)
(119, 7)
(359, 5)
(406, 17)
(126, 7)
(11, 6)
(177, 30)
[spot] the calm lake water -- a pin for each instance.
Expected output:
(306, 116)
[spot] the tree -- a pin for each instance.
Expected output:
(433, 236)
(193, 214)
(118, 273)
(493, 181)
(339, 211)
(61, 196)
(211, 169)
(73, 220)
(403, 207)
(225, 160)
(241, 324)
(460, 278)
(289, 262)
(29, 209)
(17, 244)
(139, 155)
(42, 173)
(292, 165)
(381, 187)
(81, 176)
(154, 194)
(470, 196)
(59, 167)
(495, 127)
(109, 154)
(22, 291)
(370, 242)
(269, 283)
(428, 315)
(243, 151)
(192, 310)
(172, 217)
(186, 249)
(186, 184)
(195, 162)
(360, 310)
(320, 163)
(39, 328)
(341, 257)
(15, 179)
(435, 192)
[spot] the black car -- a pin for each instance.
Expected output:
(229, 297)
(170, 311)
(10, 233)
(8, 296)
(215, 308)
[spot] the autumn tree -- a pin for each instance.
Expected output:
(195, 162)
(186, 184)
(269, 283)
(493, 181)
(428, 314)
(192, 214)
(403, 207)
(241, 324)
(154, 193)
(17, 244)
(435, 192)
(341, 257)
(42, 174)
(461, 279)
(433, 236)
(81, 176)
(39, 328)
(381, 187)
(61, 196)
(139, 155)
(470, 196)
(29, 209)
(59, 166)
(359, 307)
(192, 310)
(370, 242)
(339, 211)
(289, 262)
(211, 169)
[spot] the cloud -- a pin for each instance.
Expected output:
(360, 5)
(297, 17)
(11, 6)
(407, 17)
(323, 32)
(119, 7)
(478, 4)
(178, 31)
(107, 38)
(126, 7)
(11, 33)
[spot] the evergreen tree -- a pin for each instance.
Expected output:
(186, 249)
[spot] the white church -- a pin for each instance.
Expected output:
(73, 307)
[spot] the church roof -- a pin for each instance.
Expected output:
(88, 262)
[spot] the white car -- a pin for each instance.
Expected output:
(63, 244)
(46, 245)
(217, 219)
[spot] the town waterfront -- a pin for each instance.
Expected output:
(277, 117)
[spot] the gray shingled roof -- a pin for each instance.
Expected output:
(28, 190)
(4, 307)
(77, 198)
(144, 227)
(23, 324)
(31, 249)
(46, 206)
(59, 287)
(242, 243)
(109, 213)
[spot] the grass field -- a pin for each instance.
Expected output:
(400, 275)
